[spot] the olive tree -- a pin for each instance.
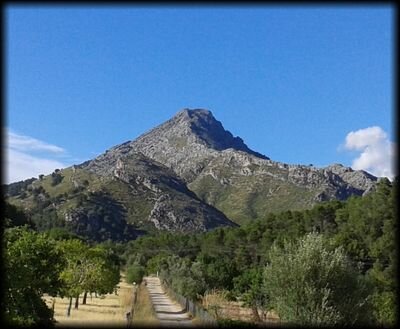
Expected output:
(87, 270)
(75, 273)
(249, 286)
(309, 283)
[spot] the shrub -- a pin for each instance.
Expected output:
(135, 274)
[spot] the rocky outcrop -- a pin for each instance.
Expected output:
(191, 216)
(174, 206)
(100, 218)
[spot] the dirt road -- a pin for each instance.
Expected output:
(168, 312)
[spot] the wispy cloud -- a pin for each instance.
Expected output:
(28, 157)
(28, 144)
(377, 152)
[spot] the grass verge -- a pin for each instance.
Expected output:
(144, 314)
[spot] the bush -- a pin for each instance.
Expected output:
(135, 274)
(229, 323)
(56, 178)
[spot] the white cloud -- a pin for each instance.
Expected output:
(377, 151)
(21, 164)
(26, 143)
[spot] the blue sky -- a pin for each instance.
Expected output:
(292, 81)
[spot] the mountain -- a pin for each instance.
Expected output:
(188, 174)
(186, 142)
(240, 182)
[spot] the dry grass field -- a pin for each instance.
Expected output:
(216, 302)
(109, 310)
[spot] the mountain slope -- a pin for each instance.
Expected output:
(118, 198)
(174, 206)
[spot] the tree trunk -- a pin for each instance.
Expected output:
(53, 304)
(134, 297)
(256, 316)
(76, 301)
(69, 307)
(84, 298)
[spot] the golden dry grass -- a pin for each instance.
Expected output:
(108, 310)
(216, 301)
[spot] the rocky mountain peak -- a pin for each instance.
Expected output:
(210, 131)
(198, 126)
(186, 142)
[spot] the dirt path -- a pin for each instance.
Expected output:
(168, 312)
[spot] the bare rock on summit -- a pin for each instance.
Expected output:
(188, 141)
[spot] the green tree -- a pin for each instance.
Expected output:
(32, 267)
(15, 216)
(366, 229)
(249, 286)
(184, 277)
(157, 263)
(219, 271)
(56, 177)
(135, 273)
(75, 273)
(309, 283)
(102, 272)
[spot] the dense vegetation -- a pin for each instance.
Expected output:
(17, 188)
(355, 239)
(334, 264)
